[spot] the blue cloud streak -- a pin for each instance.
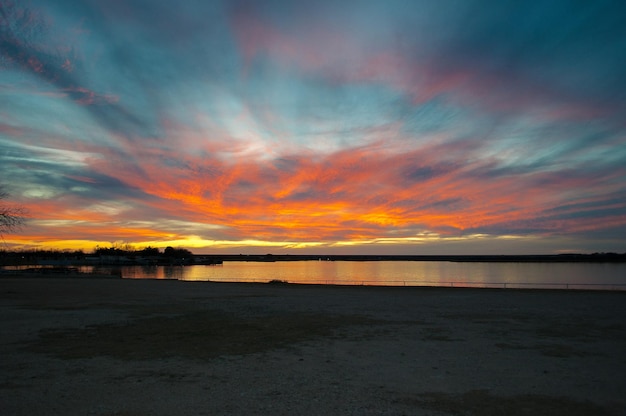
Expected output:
(525, 92)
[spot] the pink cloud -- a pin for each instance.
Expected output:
(11, 130)
(312, 48)
(339, 56)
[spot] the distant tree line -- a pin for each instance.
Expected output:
(170, 255)
(129, 251)
(30, 257)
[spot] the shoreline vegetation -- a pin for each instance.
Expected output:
(176, 256)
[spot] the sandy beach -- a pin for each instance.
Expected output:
(77, 346)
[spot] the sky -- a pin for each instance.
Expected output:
(339, 127)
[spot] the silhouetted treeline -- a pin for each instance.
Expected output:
(30, 257)
(547, 258)
(146, 255)
(101, 255)
(171, 255)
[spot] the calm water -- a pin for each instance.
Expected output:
(401, 273)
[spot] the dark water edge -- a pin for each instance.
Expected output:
(594, 272)
(506, 258)
(53, 258)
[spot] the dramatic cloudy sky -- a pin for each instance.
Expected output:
(410, 127)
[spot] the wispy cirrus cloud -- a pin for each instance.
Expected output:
(324, 126)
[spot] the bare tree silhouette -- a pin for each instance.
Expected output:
(11, 217)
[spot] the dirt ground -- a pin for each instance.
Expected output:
(78, 346)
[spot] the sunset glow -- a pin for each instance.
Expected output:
(315, 127)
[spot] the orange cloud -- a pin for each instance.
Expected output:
(353, 193)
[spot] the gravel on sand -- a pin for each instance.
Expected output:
(79, 346)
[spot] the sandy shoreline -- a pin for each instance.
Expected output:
(147, 347)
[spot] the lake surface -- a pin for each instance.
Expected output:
(601, 276)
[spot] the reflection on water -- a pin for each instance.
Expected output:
(400, 273)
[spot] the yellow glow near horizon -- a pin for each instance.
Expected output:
(198, 244)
